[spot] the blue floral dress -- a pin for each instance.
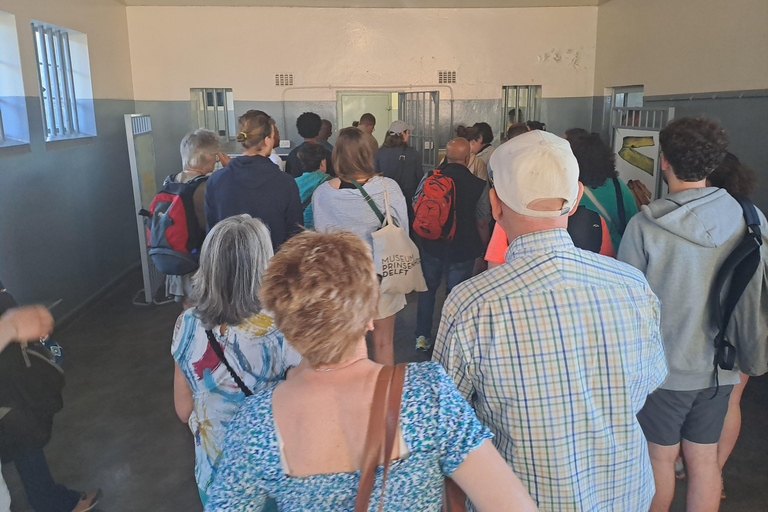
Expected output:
(259, 355)
(439, 427)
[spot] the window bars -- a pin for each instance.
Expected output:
(56, 80)
(214, 109)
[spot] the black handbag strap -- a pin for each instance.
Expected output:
(220, 354)
(620, 206)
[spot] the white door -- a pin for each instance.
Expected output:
(352, 105)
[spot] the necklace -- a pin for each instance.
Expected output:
(339, 367)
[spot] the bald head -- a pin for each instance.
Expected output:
(457, 151)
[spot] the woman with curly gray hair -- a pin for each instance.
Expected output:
(225, 347)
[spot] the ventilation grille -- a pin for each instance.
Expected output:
(283, 78)
(446, 77)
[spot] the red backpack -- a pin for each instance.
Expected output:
(434, 207)
(174, 234)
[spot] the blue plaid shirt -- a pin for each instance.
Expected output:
(557, 350)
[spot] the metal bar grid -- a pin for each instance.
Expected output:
(69, 75)
(56, 80)
(45, 82)
(53, 56)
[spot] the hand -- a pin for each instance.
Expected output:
(24, 324)
(224, 159)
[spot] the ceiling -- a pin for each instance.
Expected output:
(373, 3)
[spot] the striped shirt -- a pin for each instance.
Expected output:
(557, 350)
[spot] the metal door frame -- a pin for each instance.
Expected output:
(422, 111)
(141, 124)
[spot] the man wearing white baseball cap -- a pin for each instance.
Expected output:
(558, 348)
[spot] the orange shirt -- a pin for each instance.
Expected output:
(497, 248)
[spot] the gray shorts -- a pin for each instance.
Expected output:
(695, 416)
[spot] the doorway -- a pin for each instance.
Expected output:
(352, 105)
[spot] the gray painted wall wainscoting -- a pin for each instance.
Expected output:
(171, 120)
(67, 220)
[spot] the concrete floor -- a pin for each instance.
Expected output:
(118, 430)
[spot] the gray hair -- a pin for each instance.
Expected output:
(233, 259)
(197, 146)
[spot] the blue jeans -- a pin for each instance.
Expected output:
(43, 493)
(434, 269)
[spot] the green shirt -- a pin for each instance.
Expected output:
(606, 196)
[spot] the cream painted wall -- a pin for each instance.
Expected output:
(176, 48)
(682, 46)
(103, 21)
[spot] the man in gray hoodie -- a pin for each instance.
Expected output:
(680, 242)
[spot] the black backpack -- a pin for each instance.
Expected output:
(586, 229)
(174, 234)
(741, 265)
(31, 387)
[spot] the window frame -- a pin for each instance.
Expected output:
(218, 115)
(56, 82)
(14, 125)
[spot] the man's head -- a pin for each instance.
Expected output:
(326, 129)
(367, 122)
(516, 129)
(308, 125)
(692, 148)
(198, 151)
(457, 151)
(514, 115)
(536, 183)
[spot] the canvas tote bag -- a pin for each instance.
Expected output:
(395, 255)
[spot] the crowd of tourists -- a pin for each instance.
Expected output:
(572, 367)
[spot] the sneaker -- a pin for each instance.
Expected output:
(423, 343)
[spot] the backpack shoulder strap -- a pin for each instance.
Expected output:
(620, 205)
(220, 354)
(740, 265)
(369, 201)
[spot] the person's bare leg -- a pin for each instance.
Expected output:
(383, 337)
(663, 463)
(732, 424)
(703, 477)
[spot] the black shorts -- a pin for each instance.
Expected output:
(695, 416)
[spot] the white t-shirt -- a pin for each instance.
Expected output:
(278, 161)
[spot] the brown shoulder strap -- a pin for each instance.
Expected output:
(382, 431)
(374, 440)
(393, 419)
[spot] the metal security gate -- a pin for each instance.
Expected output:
(141, 155)
(421, 110)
